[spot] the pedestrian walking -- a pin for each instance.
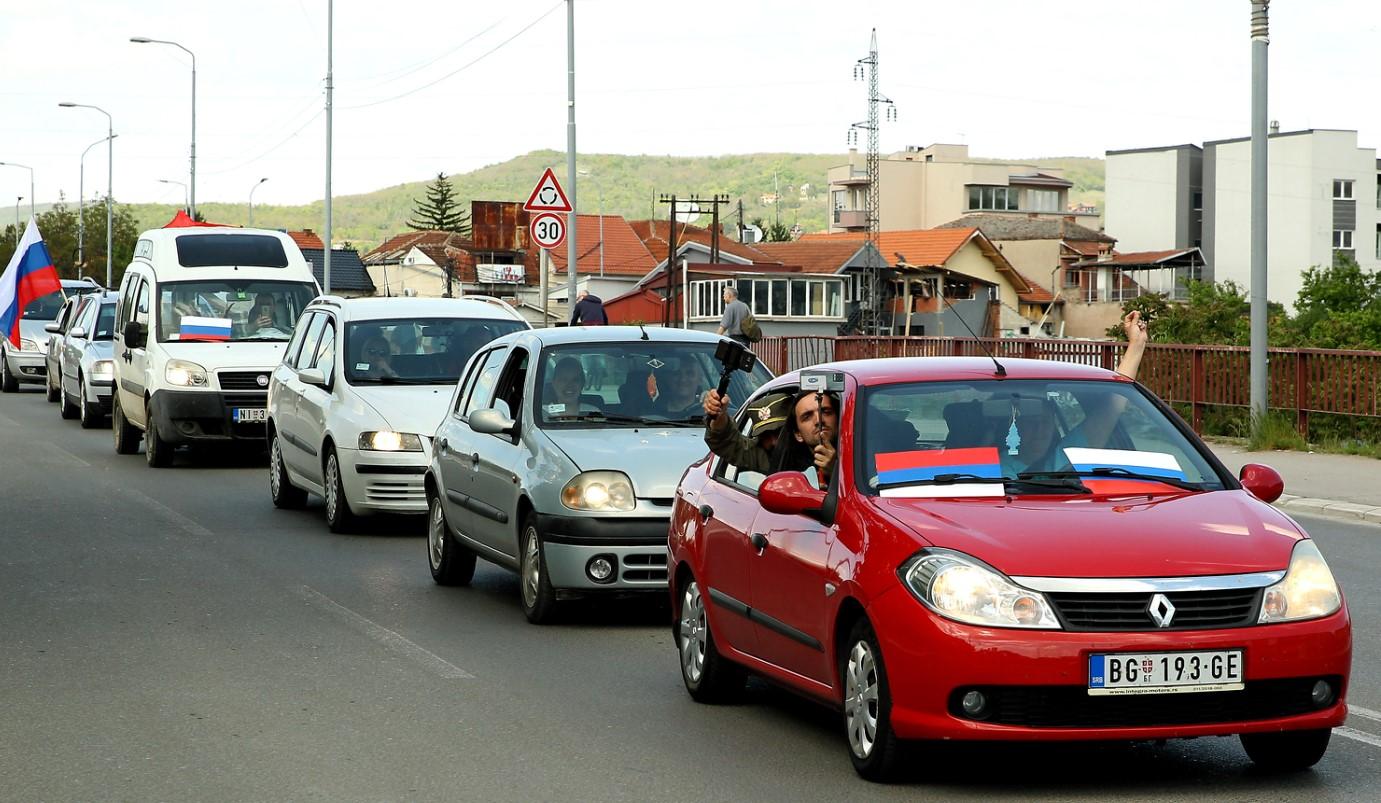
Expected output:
(589, 311)
(735, 313)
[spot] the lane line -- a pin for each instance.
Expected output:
(66, 453)
(1360, 736)
(190, 525)
(1363, 712)
(387, 638)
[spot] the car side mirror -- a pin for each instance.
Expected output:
(789, 493)
(312, 376)
(491, 422)
(134, 335)
(1263, 482)
(77, 333)
(51, 328)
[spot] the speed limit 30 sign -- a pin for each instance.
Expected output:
(548, 230)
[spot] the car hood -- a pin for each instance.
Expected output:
(653, 458)
(408, 408)
(260, 356)
(33, 330)
(1219, 532)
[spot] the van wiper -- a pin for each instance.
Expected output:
(268, 339)
(1120, 473)
(1011, 484)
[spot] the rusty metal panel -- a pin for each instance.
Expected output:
(499, 226)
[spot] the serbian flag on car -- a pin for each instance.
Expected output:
(29, 276)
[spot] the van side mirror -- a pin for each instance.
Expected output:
(134, 335)
(52, 328)
(789, 493)
(491, 422)
(1263, 482)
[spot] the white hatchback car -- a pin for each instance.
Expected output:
(362, 387)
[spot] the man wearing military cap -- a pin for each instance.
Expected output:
(811, 420)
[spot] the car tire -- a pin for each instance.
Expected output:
(91, 416)
(873, 745)
(158, 453)
(1286, 751)
(452, 564)
(126, 435)
(339, 517)
(8, 382)
(534, 583)
(284, 494)
(67, 409)
(708, 675)
(53, 393)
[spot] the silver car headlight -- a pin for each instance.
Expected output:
(25, 344)
(388, 441)
(1307, 591)
(959, 587)
(103, 369)
(184, 374)
(599, 490)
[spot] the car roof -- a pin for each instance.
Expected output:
(565, 335)
(374, 308)
(892, 370)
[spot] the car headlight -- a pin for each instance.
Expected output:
(959, 587)
(599, 490)
(389, 441)
(184, 373)
(1307, 591)
(103, 369)
(25, 344)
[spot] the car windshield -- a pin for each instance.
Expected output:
(105, 322)
(417, 351)
(231, 310)
(595, 385)
(44, 308)
(1033, 436)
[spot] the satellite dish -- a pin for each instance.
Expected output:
(687, 213)
(750, 234)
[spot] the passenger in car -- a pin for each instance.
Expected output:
(378, 354)
(809, 442)
(682, 382)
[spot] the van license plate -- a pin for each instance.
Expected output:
(249, 415)
(1165, 672)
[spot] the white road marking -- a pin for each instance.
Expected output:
(1356, 735)
(1364, 712)
(389, 639)
(66, 453)
(190, 525)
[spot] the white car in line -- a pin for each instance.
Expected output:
(362, 387)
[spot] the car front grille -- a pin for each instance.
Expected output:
(243, 380)
(260, 399)
(395, 492)
(1074, 707)
(645, 567)
(1194, 610)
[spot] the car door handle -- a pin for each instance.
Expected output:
(705, 512)
(759, 542)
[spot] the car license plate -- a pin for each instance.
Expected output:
(1165, 672)
(249, 415)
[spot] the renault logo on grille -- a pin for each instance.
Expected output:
(1161, 609)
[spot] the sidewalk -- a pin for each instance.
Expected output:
(1336, 484)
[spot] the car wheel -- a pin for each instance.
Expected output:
(451, 562)
(709, 676)
(873, 745)
(126, 434)
(54, 393)
(67, 409)
(281, 489)
(539, 598)
(1287, 751)
(8, 382)
(91, 416)
(338, 515)
(158, 453)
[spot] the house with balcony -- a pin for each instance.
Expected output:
(922, 188)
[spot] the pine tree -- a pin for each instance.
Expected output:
(440, 211)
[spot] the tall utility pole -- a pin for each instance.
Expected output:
(571, 251)
(870, 301)
(326, 252)
(694, 202)
(1260, 40)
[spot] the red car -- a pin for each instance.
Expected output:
(1024, 550)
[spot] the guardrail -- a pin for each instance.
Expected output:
(1300, 381)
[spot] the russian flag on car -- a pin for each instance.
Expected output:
(196, 328)
(30, 275)
(926, 464)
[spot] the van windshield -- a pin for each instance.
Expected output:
(243, 250)
(244, 310)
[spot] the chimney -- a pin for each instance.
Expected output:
(1275, 126)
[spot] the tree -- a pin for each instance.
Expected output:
(58, 226)
(440, 211)
(1338, 307)
(773, 232)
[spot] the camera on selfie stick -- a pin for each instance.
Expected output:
(734, 357)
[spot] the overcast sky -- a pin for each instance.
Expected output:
(423, 85)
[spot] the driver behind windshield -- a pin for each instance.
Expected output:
(375, 356)
(563, 395)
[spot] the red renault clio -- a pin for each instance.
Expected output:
(955, 548)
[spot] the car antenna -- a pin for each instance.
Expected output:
(644, 337)
(1000, 370)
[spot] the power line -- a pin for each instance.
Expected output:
(390, 76)
(284, 141)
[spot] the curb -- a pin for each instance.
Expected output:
(1331, 508)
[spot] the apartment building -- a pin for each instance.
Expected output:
(921, 188)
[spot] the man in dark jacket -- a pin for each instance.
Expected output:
(589, 311)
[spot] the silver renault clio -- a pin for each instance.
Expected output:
(560, 455)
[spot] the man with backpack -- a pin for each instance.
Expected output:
(738, 322)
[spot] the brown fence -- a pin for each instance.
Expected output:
(1301, 381)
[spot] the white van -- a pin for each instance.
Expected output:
(203, 317)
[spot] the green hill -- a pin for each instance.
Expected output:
(630, 186)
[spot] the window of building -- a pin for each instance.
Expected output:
(783, 298)
(1071, 278)
(838, 199)
(1342, 239)
(1342, 189)
(996, 198)
(1043, 200)
(707, 298)
(958, 289)
(1198, 201)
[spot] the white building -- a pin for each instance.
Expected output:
(1323, 197)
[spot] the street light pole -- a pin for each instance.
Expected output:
(31, 183)
(571, 251)
(251, 199)
(181, 184)
(110, 188)
(1260, 33)
(81, 207)
(16, 220)
(192, 192)
(330, 89)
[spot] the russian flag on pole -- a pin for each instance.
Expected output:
(29, 276)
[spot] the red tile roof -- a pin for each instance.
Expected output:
(812, 256)
(624, 252)
(1085, 247)
(1147, 258)
(654, 233)
(925, 248)
(395, 248)
(307, 239)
